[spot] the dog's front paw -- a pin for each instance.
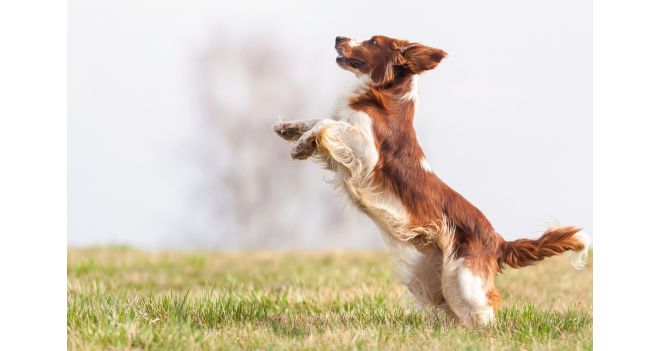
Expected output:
(304, 148)
(289, 131)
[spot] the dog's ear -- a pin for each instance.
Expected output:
(419, 58)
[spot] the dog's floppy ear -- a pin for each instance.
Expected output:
(419, 58)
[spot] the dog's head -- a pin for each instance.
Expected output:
(383, 59)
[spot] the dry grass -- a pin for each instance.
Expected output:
(123, 298)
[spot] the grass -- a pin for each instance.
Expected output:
(120, 298)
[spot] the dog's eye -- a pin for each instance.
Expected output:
(373, 41)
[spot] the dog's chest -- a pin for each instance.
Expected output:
(359, 137)
(359, 182)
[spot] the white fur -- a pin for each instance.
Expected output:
(580, 258)
(435, 276)
(354, 175)
(346, 145)
(465, 294)
(361, 125)
(421, 271)
(353, 154)
(408, 260)
(412, 94)
(353, 43)
(425, 165)
(385, 209)
(471, 287)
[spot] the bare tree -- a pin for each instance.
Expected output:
(252, 194)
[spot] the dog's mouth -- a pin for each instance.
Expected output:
(341, 59)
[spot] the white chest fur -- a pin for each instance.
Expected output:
(357, 180)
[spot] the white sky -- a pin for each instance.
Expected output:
(506, 119)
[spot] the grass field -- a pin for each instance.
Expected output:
(121, 298)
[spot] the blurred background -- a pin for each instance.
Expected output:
(171, 107)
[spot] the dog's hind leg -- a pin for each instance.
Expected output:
(421, 273)
(470, 292)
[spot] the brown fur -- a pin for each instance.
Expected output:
(524, 252)
(426, 197)
(391, 65)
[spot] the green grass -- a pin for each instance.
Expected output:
(119, 298)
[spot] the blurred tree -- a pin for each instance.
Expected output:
(252, 194)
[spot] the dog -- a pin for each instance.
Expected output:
(370, 144)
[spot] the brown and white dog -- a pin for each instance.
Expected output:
(370, 143)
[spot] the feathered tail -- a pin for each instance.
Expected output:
(555, 241)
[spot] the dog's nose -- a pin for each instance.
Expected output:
(339, 39)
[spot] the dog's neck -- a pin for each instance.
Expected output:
(402, 89)
(391, 107)
(395, 99)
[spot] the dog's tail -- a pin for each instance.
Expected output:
(555, 241)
